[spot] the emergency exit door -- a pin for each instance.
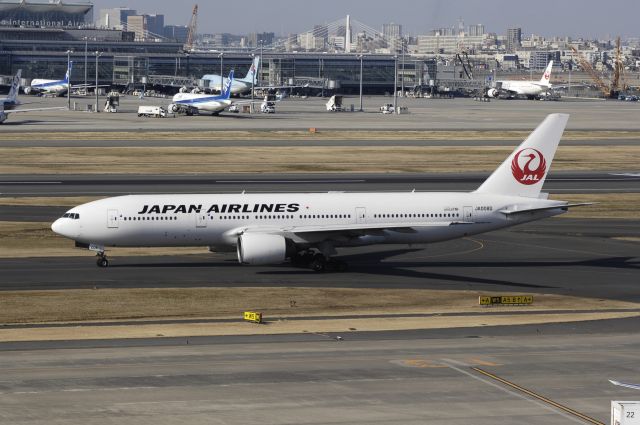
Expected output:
(112, 219)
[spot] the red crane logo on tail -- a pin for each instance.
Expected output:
(528, 166)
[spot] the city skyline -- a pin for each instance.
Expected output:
(547, 18)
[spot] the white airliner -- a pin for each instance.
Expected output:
(8, 104)
(57, 87)
(204, 102)
(625, 384)
(530, 89)
(240, 85)
(269, 228)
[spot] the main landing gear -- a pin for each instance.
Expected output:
(318, 262)
(102, 260)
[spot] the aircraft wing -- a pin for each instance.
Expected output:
(625, 384)
(13, 111)
(555, 207)
(333, 231)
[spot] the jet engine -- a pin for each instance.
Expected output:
(174, 108)
(261, 248)
(493, 92)
(26, 90)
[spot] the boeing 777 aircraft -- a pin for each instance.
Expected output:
(269, 228)
(530, 89)
(57, 87)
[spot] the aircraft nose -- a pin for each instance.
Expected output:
(56, 226)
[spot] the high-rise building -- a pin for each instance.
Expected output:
(476, 30)
(255, 37)
(514, 39)
(177, 33)
(155, 25)
(392, 33)
(115, 17)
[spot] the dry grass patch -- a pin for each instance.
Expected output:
(127, 304)
(516, 135)
(611, 205)
(205, 160)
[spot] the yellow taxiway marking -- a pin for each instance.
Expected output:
(483, 362)
(539, 397)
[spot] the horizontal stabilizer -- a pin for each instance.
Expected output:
(554, 207)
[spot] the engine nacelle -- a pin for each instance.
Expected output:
(261, 248)
(26, 90)
(174, 108)
(493, 92)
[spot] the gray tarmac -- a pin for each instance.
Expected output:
(301, 114)
(412, 377)
(111, 185)
(560, 256)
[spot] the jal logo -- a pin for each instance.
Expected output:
(547, 76)
(528, 166)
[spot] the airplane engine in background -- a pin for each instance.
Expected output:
(26, 90)
(261, 248)
(174, 108)
(493, 92)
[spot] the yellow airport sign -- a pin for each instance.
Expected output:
(252, 316)
(506, 300)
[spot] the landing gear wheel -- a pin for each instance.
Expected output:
(319, 263)
(102, 261)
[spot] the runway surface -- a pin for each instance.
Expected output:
(408, 378)
(560, 256)
(622, 181)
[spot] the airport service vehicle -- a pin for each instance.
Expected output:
(306, 228)
(387, 108)
(238, 86)
(530, 89)
(334, 104)
(152, 111)
(204, 102)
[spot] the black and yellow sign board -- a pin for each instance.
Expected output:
(506, 300)
(252, 316)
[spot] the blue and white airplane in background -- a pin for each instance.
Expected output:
(8, 104)
(238, 86)
(57, 87)
(204, 102)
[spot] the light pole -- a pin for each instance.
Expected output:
(86, 43)
(253, 81)
(97, 53)
(69, 79)
(361, 58)
(402, 44)
(221, 55)
(395, 84)
(261, 57)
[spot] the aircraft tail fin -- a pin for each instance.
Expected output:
(251, 74)
(524, 171)
(68, 74)
(15, 87)
(226, 92)
(546, 77)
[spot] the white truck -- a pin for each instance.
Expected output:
(152, 111)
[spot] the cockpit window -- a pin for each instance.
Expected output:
(72, 216)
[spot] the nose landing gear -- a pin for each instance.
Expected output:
(102, 260)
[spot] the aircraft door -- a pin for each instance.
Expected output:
(467, 213)
(112, 219)
(201, 220)
(361, 215)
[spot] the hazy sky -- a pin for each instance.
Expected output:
(589, 18)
